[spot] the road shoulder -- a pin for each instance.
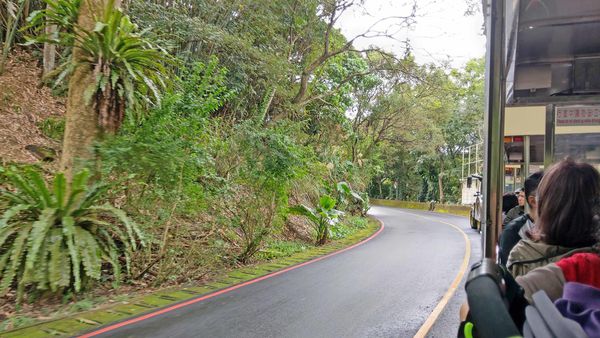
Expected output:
(144, 305)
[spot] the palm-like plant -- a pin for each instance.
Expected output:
(56, 237)
(358, 204)
(344, 191)
(62, 13)
(322, 218)
(127, 68)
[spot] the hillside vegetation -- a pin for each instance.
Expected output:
(148, 143)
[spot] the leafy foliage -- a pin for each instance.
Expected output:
(128, 69)
(348, 226)
(420, 132)
(53, 128)
(276, 249)
(176, 152)
(352, 199)
(57, 237)
(324, 217)
(267, 105)
(62, 13)
(11, 15)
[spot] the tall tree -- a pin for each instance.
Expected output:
(81, 128)
(328, 43)
(115, 68)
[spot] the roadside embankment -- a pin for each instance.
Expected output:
(140, 304)
(459, 210)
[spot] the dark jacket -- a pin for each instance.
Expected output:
(513, 214)
(510, 237)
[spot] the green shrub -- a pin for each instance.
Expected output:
(323, 218)
(56, 237)
(252, 219)
(53, 127)
(277, 249)
(168, 152)
(355, 203)
(348, 226)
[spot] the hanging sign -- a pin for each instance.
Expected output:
(578, 116)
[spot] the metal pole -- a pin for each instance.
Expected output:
(494, 124)
(549, 139)
(527, 160)
(476, 155)
(462, 167)
(469, 161)
(526, 157)
(525, 167)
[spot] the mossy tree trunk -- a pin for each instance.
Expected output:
(81, 128)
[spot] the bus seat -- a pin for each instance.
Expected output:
(544, 320)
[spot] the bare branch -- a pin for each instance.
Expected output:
(336, 88)
(333, 14)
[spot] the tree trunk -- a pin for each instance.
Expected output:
(323, 237)
(441, 188)
(440, 182)
(49, 51)
(81, 128)
(303, 88)
(266, 105)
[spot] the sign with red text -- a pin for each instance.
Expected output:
(578, 116)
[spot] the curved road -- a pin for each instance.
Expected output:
(386, 287)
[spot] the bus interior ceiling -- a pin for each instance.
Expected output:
(557, 52)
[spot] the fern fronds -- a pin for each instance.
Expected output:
(56, 237)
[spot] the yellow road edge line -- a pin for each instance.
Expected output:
(426, 327)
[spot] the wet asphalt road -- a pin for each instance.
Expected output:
(386, 287)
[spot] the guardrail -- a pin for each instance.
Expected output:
(459, 210)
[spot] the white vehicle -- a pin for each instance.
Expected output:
(476, 212)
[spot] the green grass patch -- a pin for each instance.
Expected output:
(16, 321)
(53, 127)
(277, 249)
(348, 226)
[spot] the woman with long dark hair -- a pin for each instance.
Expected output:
(568, 209)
